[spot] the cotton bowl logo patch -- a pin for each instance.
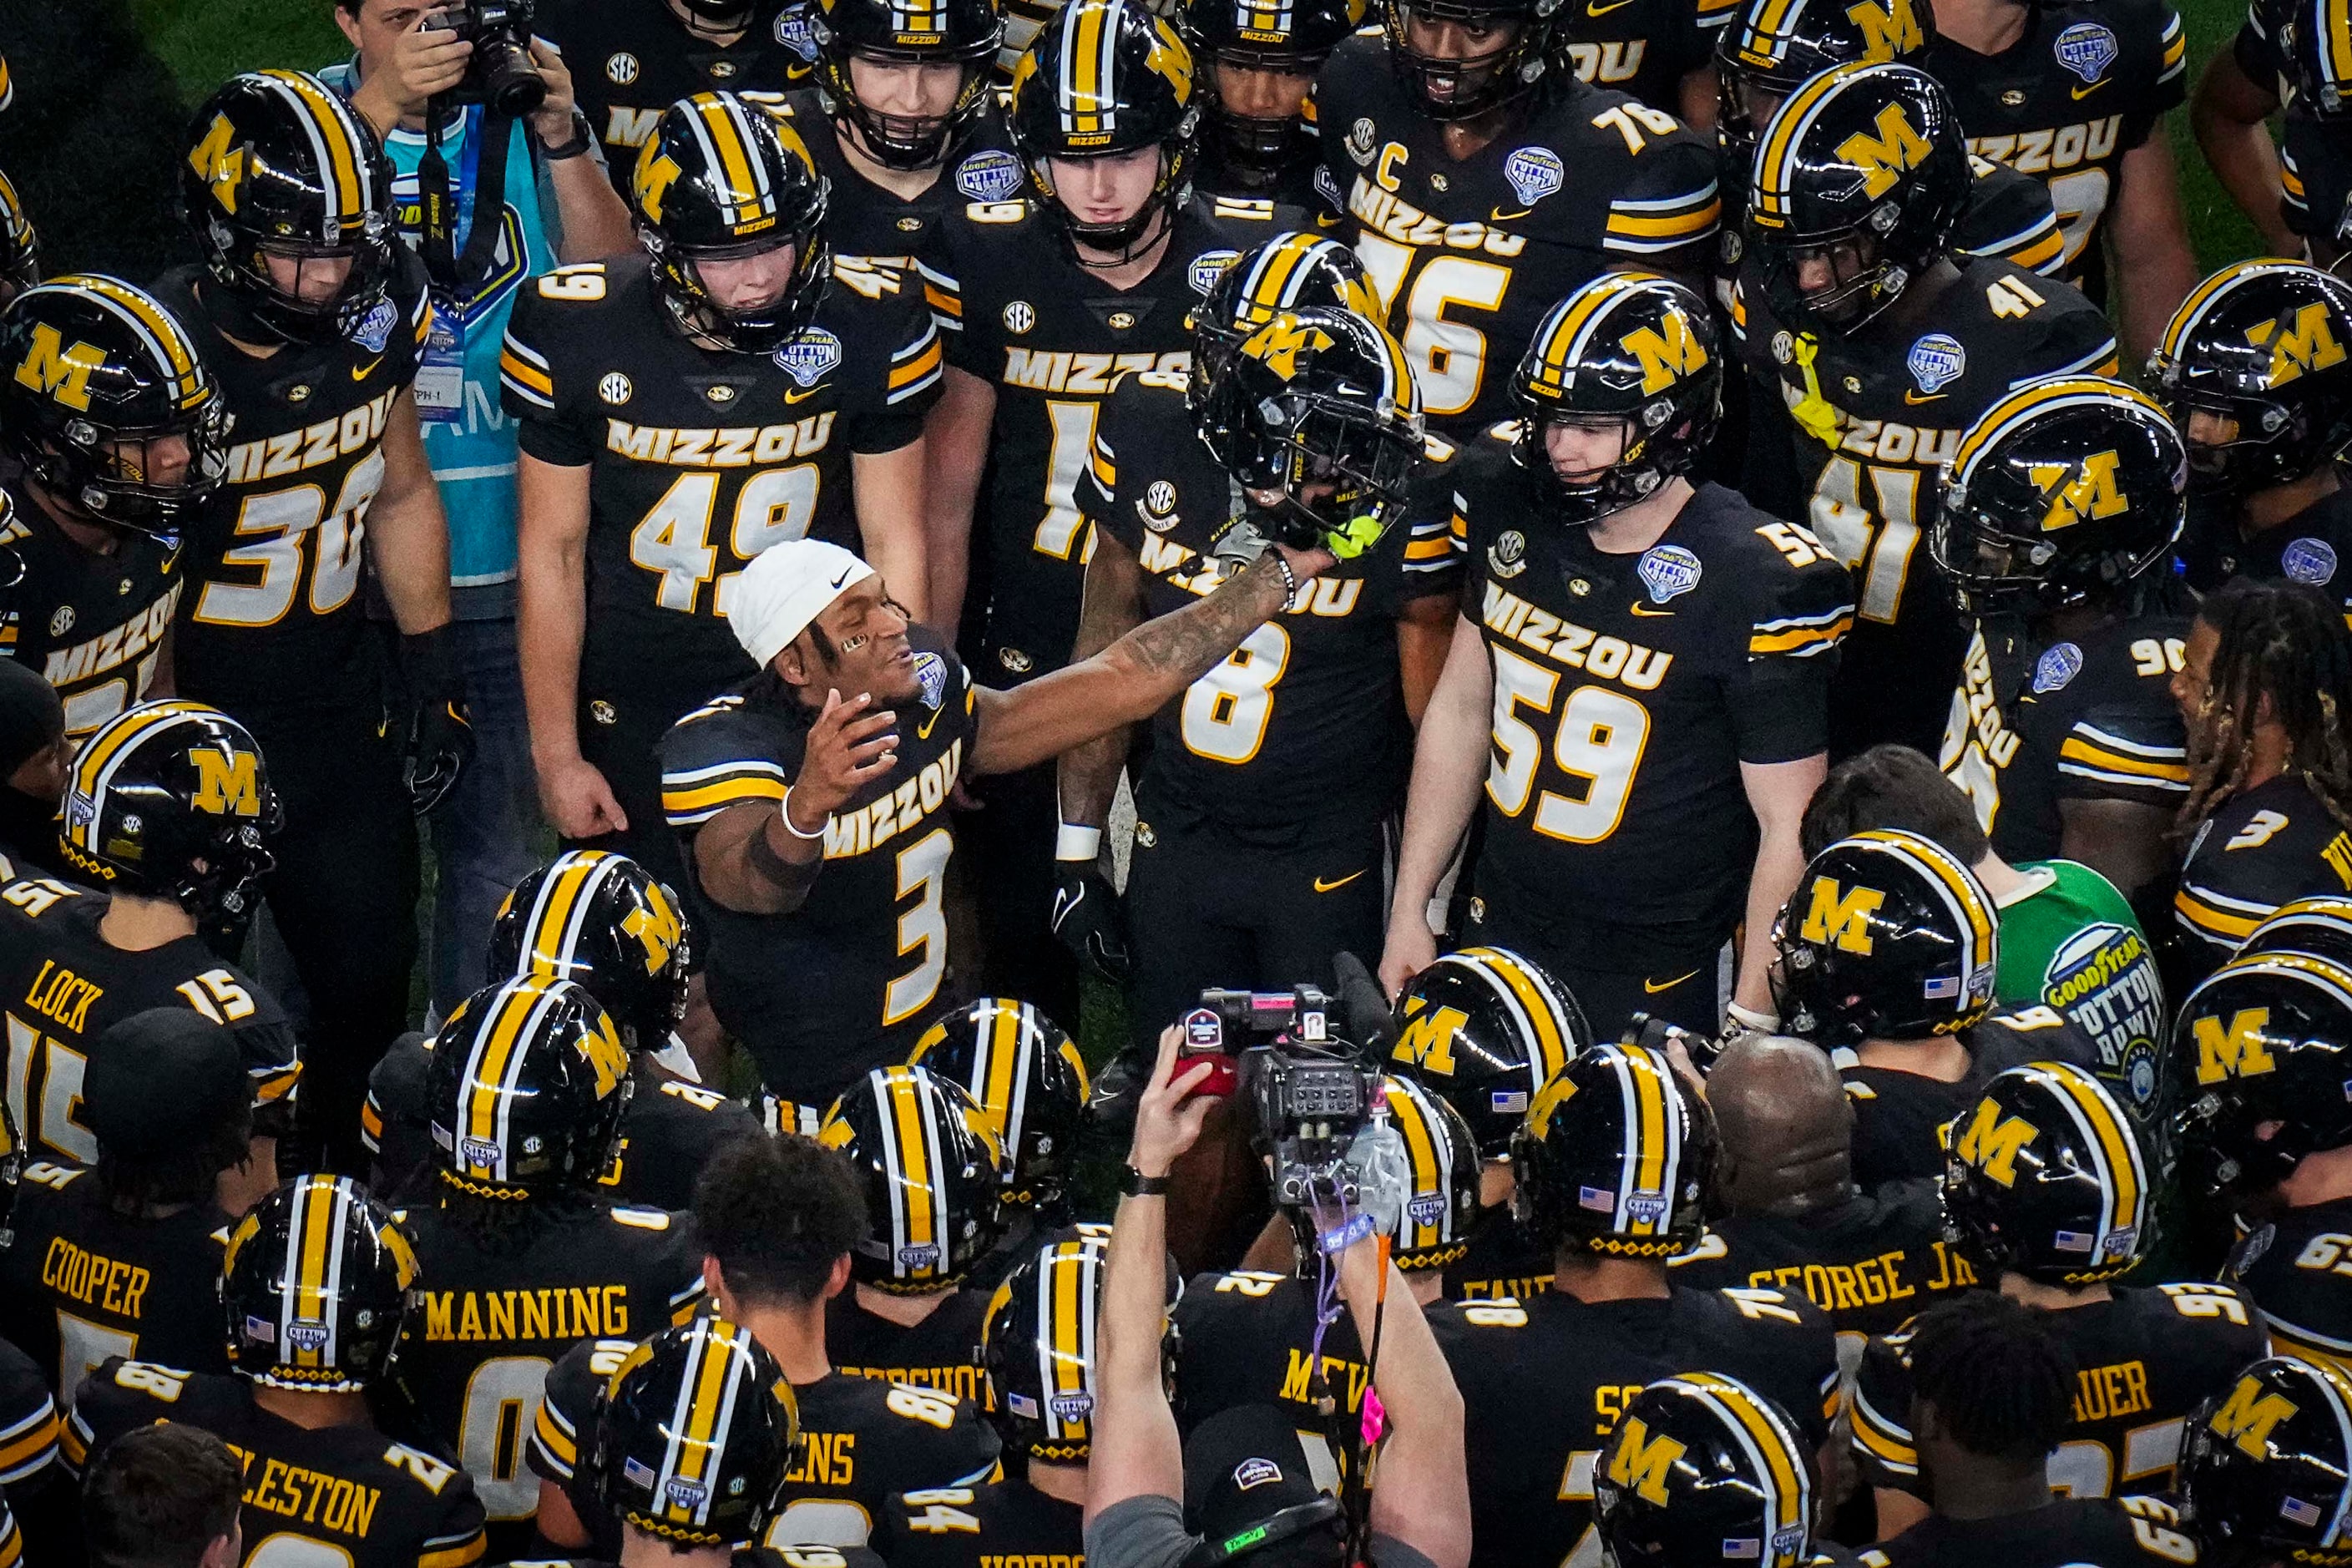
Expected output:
(1425, 1209)
(922, 1257)
(305, 1335)
(1071, 1406)
(1668, 570)
(478, 1153)
(796, 33)
(686, 1494)
(374, 329)
(1208, 267)
(810, 357)
(1936, 361)
(2311, 560)
(1534, 172)
(2087, 49)
(2060, 665)
(1325, 185)
(1647, 1207)
(932, 675)
(990, 176)
(2103, 979)
(1256, 1473)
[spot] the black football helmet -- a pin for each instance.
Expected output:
(315, 1288)
(1263, 283)
(2265, 1473)
(1103, 77)
(1026, 1076)
(20, 245)
(171, 800)
(1037, 1351)
(526, 1088)
(1442, 1154)
(1318, 399)
(959, 33)
(2264, 348)
(2045, 1178)
(2321, 925)
(2267, 1038)
(1630, 350)
(12, 1168)
(280, 167)
(1616, 1159)
(1292, 39)
(694, 1434)
(1703, 1468)
(1864, 170)
(1485, 1029)
(724, 180)
(1772, 47)
(932, 1173)
(98, 382)
(2310, 34)
(1446, 87)
(606, 922)
(1887, 937)
(2068, 489)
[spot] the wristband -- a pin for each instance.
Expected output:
(1762, 1023)
(1290, 578)
(784, 809)
(1077, 843)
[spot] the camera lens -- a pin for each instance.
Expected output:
(511, 84)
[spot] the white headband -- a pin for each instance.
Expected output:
(785, 589)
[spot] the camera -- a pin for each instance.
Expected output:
(1309, 1093)
(501, 75)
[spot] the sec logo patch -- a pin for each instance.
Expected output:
(616, 388)
(621, 69)
(1019, 317)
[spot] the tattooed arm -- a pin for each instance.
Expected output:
(1127, 682)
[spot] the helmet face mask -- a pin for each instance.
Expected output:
(864, 48)
(2254, 368)
(1254, 61)
(1508, 48)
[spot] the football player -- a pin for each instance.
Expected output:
(2047, 1191)
(29, 1471)
(601, 921)
(2265, 1474)
(1481, 183)
(20, 245)
(2242, 88)
(2061, 508)
(311, 316)
(740, 325)
(1614, 1164)
(173, 811)
(1704, 1467)
(1048, 303)
(1858, 313)
(2254, 372)
(1257, 71)
(2315, 185)
(115, 445)
(1887, 954)
(1994, 1389)
(1644, 782)
(523, 1258)
(2075, 95)
(316, 1294)
(778, 1218)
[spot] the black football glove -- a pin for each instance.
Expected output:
(1088, 920)
(437, 741)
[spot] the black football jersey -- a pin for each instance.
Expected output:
(1248, 1338)
(2308, 547)
(1899, 1117)
(2037, 721)
(1054, 340)
(2315, 176)
(1468, 256)
(1501, 1261)
(1306, 722)
(28, 1423)
(79, 1282)
(92, 622)
(2122, 1532)
(862, 219)
(68, 986)
(701, 460)
(1643, 48)
(2257, 49)
(2263, 847)
(2084, 84)
(1531, 1458)
(997, 1526)
(272, 618)
(840, 985)
(2295, 1270)
(630, 59)
(497, 1314)
(1628, 691)
(2145, 1359)
(941, 1353)
(338, 1494)
(1870, 1263)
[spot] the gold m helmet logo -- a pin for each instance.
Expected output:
(227, 782)
(1279, 342)
(1884, 158)
(606, 1054)
(219, 165)
(62, 372)
(657, 172)
(1427, 1037)
(1889, 32)
(2247, 1417)
(1837, 915)
(2305, 344)
(1992, 1143)
(1665, 352)
(1171, 60)
(1644, 1462)
(2090, 493)
(654, 924)
(2235, 1049)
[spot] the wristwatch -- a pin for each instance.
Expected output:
(1134, 1183)
(584, 135)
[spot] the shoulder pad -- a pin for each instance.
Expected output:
(639, 1219)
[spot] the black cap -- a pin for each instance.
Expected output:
(1242, 1468)
(32, 716)
(162, 1077)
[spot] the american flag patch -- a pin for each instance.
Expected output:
(2074, 1241)
(1599, 1199)
(1737, 1547)
(1942, 988)
(2296, 1511)
(637, 1472)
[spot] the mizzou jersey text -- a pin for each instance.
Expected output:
(2298, 1271)
(1628, 690)
(2309, 547)
(1053, 341)
(2264, 847)
(1899, 1117)
(92, 622)
(1532, 1460)
(328, 1494)
(2123, 1533)
(2083, 84)
(940, 1352)
(1248, 1338)
(1869, 1263)
(997, 1526)
(863, 219)
(845, 981)
(1875, 414)
(495, 1314)
(1643, 48)
(62, 985)
(2144, 1360)
(80, 1282)
(1466, 256)
(271, 619)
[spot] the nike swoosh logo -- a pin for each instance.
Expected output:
(1323, 887)
(1654, 987)
(2083, 92)
(791, 397)
(837, 581)
(1915, 398)
(924, 731)
(1647, 614)
(1064, 902)
(362, 371)
(1497, 215)
(1596, 10)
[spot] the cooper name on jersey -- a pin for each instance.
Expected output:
(727, 446)
(1579, 648)
(312, 446)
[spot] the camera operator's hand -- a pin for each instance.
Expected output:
(552, 121)
(424, 62)
(1169, 1115)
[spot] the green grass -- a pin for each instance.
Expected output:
(2216, 227)
(206, 42)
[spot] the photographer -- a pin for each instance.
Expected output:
(558, 207)
(1420, 1508)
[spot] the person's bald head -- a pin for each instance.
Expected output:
(1787, 1129)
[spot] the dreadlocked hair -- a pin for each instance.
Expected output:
(2286, 641)
(2000, 1379)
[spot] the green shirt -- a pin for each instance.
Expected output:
(2069, 941)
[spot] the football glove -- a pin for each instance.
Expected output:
(1088, 920)
(437, 739)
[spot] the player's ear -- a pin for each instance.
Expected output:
(839, 1280)
(714, 1283)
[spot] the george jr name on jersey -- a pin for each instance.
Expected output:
(312, 446)
(731, 446)
(1580, 647)
(1086, 374)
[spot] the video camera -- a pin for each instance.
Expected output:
(501, 75)
(1309, 1092)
